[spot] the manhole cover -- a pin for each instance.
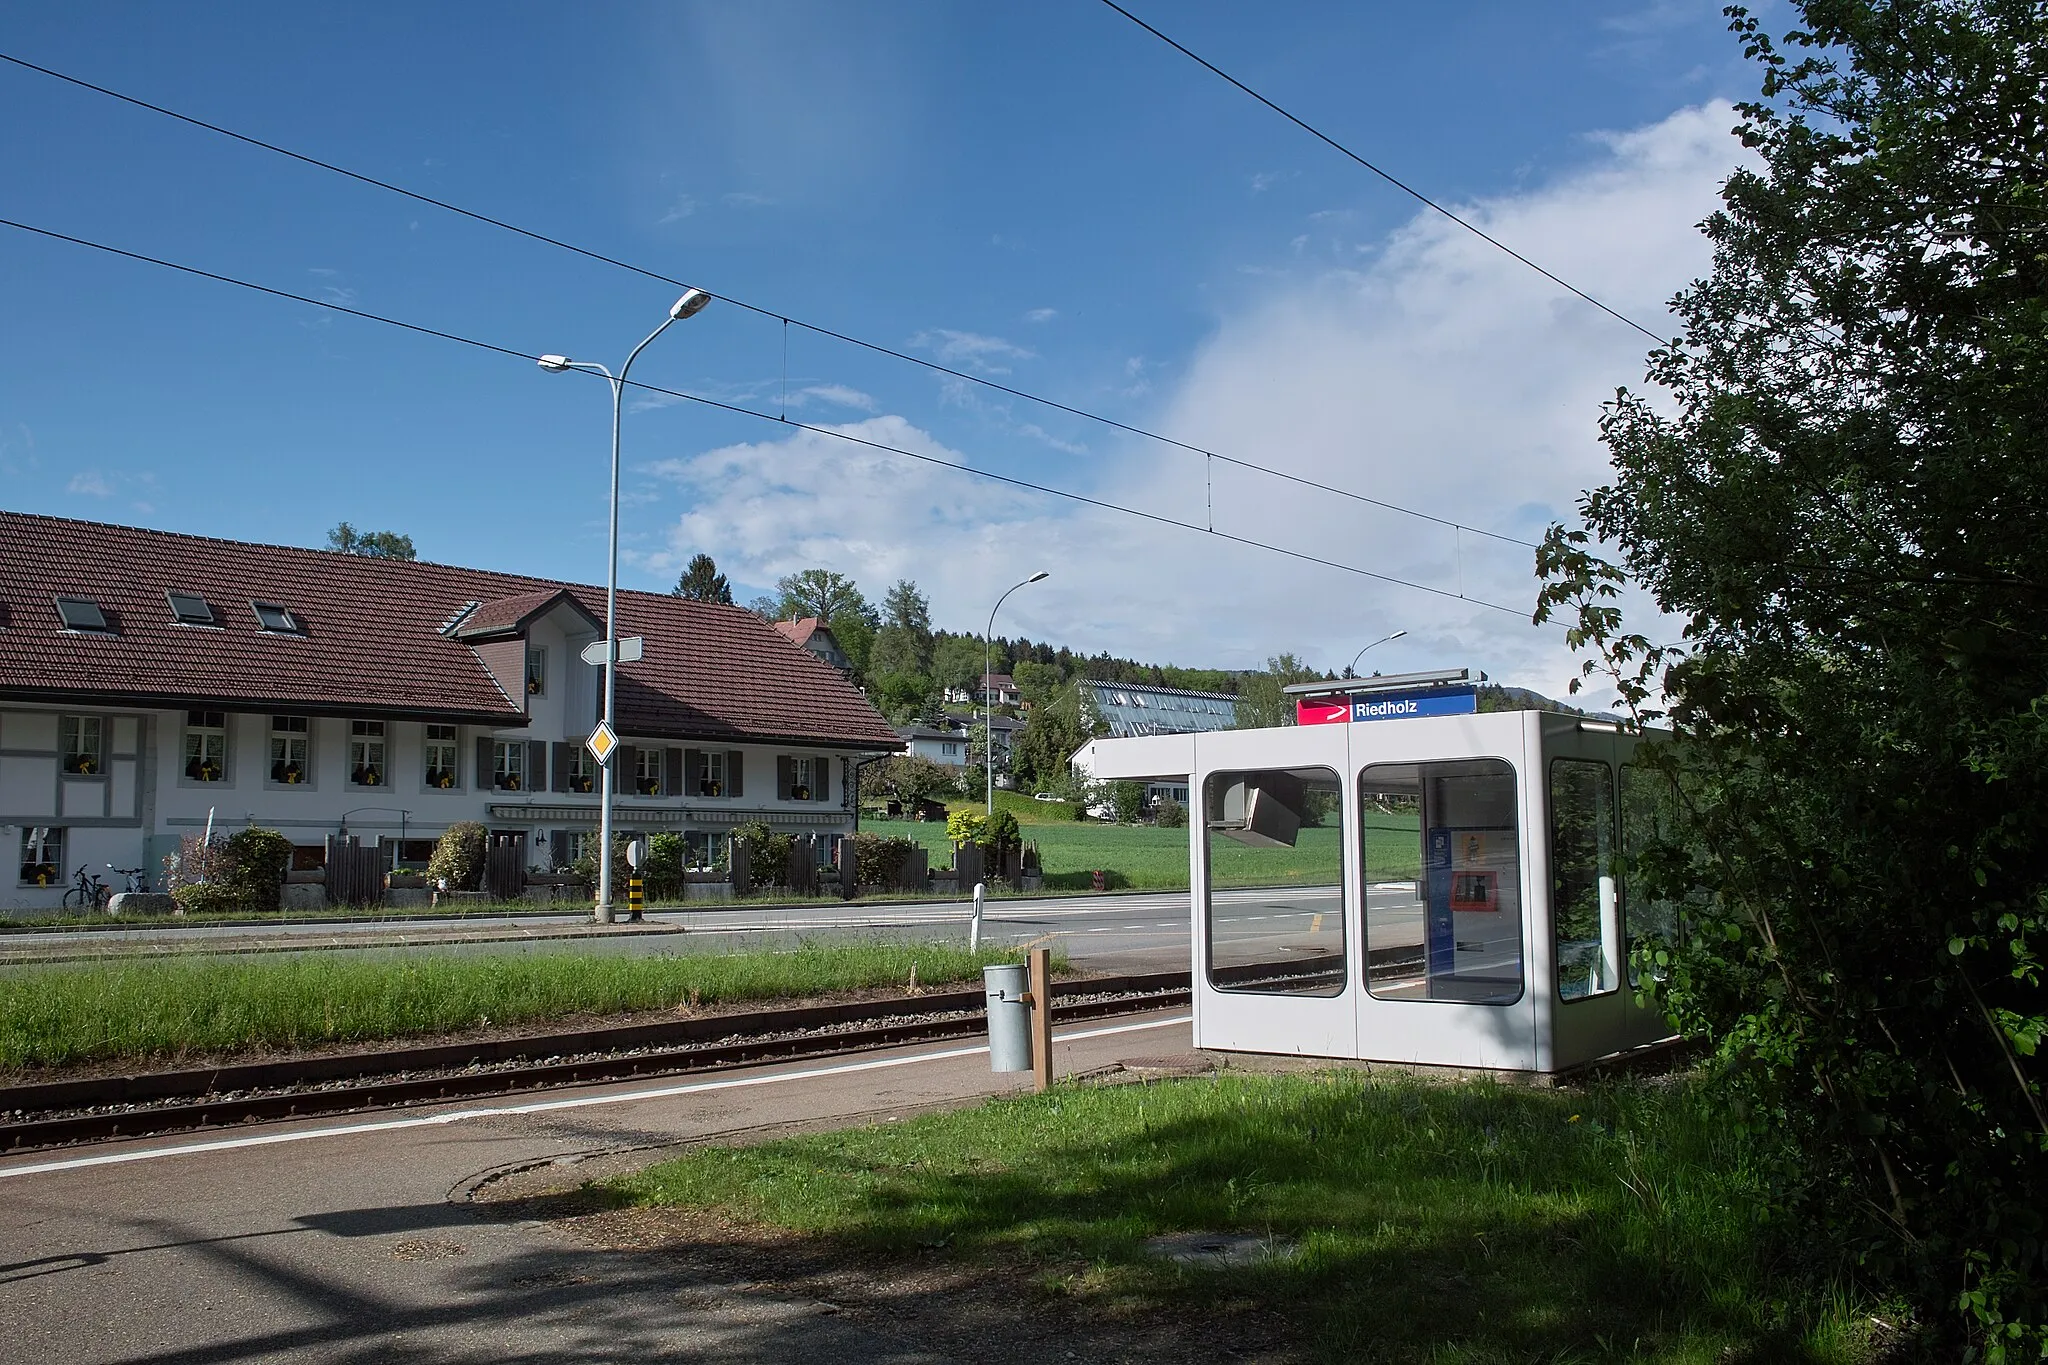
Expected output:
(1219, 1249)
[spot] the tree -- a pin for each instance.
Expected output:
(904, 697)
(903, 644)
(346, 539)
(702, 582)
(1261, 702)
(816, 592)
(1838, 495)
(910, 778)
(1037, 683)
(1043, 750)
(956, 662)
(905, 607)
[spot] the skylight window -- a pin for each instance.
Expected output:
(82, 613)
(190, 609)
(276, 619)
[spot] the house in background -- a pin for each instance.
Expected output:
(947, 746)
(997, 689)
(151, 682)
(1142, 709)
(813, 634)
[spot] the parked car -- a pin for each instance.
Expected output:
(1043, 796)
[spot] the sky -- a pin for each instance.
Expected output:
(1041, 195)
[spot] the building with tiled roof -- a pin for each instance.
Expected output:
(813, 634)
(151, 681)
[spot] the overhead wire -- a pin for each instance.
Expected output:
(1386, 175)
(1049, 490)
(786, 320)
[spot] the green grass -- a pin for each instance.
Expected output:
(1439, 1223)
(159, 1009)
(1148, 858)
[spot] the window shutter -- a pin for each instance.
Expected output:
(821, 790)
(785, 776)
(483, 763)
(536, 765)
(563, 753)
(693, 773)
(735, 774)
(672, 773)
(626, 775)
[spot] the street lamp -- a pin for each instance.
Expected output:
(1352, 667)
(689, 305)
(988, 710)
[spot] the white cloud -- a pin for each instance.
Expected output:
(90, 483)
(838, 395)
(740, 199)
(682, 208)
(970, 350)
(1041, 315)
(1266, 180)
(1436, 373)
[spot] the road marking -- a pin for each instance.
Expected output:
(1315, 925)
(547, 1106)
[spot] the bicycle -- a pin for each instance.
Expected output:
(138, 879)
(87, 892)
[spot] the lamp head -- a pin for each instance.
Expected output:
(689, 305)
(1041, 574)
(1397, 635)
(555, 363)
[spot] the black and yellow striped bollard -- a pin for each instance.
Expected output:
(636, 897)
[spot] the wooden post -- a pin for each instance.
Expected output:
(1040, 960)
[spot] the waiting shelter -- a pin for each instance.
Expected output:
(1400, 878)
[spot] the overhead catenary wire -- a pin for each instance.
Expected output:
(1387, 176)
(786, 320)
(1157, 518)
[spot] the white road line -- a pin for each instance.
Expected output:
(544, 1106)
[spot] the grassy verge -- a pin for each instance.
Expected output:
(160, 1009)
(1440, 1223)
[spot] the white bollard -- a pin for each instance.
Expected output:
(974, 925)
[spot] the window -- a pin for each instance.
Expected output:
(1443, 881)
(710, 775)
(508, 764)
(1584, 907)
(536, 672)
(277, 620)
(189, 609)
(206, 746)
(366, 753)
(582, 770)
(412, 854)
(1275, 912)
(290, 750)
(79, 739)
(82, 613)
(800, 775)
(704, 850)
(42, 856)
(442, 770)
(647, 761)
(1649, 926)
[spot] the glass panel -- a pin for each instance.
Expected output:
(508, 763)
(1583, 909)
(42, 855)
(1275, 912)
(536, 672)
(1647, 802)
(441, 769)
(79, 738)
(1443, 881)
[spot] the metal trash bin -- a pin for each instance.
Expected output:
(1009, 1017)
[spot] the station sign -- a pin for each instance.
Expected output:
(1428, 701)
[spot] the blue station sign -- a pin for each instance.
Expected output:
(1428, 701)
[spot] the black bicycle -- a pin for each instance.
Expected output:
(87, 892)
(138, 879)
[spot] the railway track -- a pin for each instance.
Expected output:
(59, 1113)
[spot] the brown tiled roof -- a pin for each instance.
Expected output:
(508, 615)
(799, 632)
(373, 641)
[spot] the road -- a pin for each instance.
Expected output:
(1121, 933)
(353, 1240)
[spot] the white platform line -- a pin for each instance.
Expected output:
(543, 1106)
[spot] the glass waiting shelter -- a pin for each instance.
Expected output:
(1399, 878)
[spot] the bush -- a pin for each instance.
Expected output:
(1126, 801)
(967, 826)
(1002, 833)
(585, 866)
(664, 867)
(459, 856)
(260, 858)
(878, 860)
(1168, 813)
(767, 853)
(238, 875)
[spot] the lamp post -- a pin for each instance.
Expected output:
(1352, 667)
(988, 710)
(689, 305)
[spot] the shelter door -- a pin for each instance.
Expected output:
(1589, 993)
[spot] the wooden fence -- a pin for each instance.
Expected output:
(505, 868)
(355, 874)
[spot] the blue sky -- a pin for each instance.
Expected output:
(1042, 193)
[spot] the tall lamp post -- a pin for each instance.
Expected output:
(1352, 667)
(689, 305)
(988, 710)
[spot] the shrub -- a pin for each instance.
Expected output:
(239, 874)
(967, 826)
(259, 860)
(585, 866)
(664, 867)
(878, 861)
(1168, 813)
(459, 856)
(767, 853)
(1002, 833)
(1126, 801)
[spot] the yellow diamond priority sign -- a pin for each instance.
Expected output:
(601, 742)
